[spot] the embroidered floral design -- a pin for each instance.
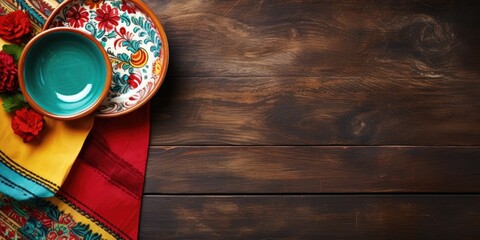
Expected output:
(39, 219)
(34, 229)
(77, 16)
(63, 228)
(6, 232)
(107, 17)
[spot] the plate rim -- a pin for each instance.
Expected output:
(166, 56)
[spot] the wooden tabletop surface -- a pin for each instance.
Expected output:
(309, 119)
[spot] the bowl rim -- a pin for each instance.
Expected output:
(166, 53)
(21, 78)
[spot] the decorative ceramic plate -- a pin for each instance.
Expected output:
(134, 40)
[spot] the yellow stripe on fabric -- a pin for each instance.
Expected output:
(79, 217)
(52, 3)
(7, 220)
(49, 158)
(7, 6)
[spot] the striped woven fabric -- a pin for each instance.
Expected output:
(38, 170)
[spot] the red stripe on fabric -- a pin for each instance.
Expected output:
(118, 148)
(106, 181)
(99, 156)
(127, 136)
(92, 193)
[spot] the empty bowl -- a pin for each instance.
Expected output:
(64, 73)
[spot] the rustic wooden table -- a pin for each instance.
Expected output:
(309, 119)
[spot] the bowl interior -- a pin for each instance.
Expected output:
(65, 73)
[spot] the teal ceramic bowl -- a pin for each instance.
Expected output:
(64, 73)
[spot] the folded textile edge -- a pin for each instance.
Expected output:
(39, 168)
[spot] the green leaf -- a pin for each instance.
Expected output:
(123, 57)
(80, 229)
(13, 50)
(111, 35)
(100, 34)
(13, 102)
(53, 212)
(126, 66)
(124, 18)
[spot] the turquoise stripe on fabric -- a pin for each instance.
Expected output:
(31, 11)
(18, 187)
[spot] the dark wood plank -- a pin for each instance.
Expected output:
(310, 217)
(312, 169)
(317, 111)
(362, 38)
(383, 72)
(306, 72)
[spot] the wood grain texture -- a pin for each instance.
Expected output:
(218, 170)
(317, 111)
(267, 100)
(361, 73)
(367, 38)
(311, 217)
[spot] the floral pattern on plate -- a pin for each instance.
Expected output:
(135, 44)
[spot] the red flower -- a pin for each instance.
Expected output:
(77, 16)
(107, 17)
(128, 7)
(8, 73)
(15, 27)
(27, 124)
